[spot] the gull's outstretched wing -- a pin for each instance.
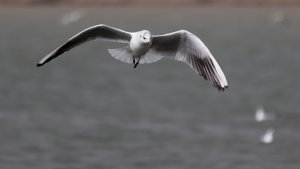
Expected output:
(103, 32)
(187, 47)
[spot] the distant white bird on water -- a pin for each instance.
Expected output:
(261, 115)
(146, 48)
(268, 137)
(278, 18)
(71, 17)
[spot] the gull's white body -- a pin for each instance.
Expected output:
(139, 46)
(146, 48)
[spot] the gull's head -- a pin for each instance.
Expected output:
(145, 36)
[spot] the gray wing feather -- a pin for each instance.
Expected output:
(186, 47)
(103, 32)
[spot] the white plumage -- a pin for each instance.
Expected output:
(261, 115)
(268, 136)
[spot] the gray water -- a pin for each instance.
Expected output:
(86, 110)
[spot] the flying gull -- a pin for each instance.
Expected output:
(144, 48)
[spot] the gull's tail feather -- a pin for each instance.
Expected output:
(150, 57)
(122, 54)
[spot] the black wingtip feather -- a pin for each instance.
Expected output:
(205, 68)
(222, 89)
(39, 64)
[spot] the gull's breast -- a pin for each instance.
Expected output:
(138, 48)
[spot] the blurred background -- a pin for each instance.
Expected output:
(86, 110)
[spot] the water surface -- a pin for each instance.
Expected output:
(88, 110)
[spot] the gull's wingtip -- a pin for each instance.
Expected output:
(222, 88)
(44, 60)
(39, 64)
